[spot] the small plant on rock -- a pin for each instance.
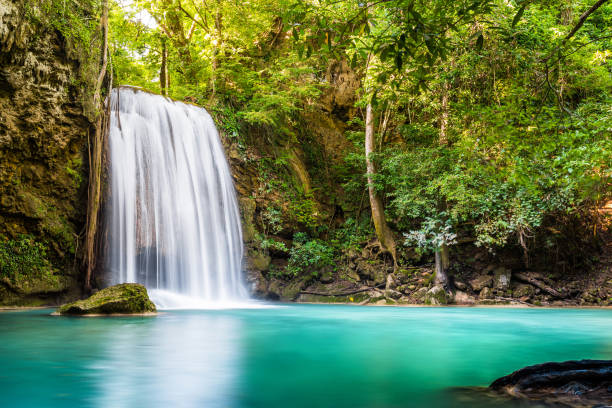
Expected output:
(309, 255)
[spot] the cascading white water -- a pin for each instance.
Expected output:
(173, 217)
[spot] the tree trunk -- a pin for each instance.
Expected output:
(163, 71)
(95, 160)
(176, 32)
(442, 264)
(383, 232)
(443, 139)
(215, 58)
(445, 256)
(440, 279)
(442, 256)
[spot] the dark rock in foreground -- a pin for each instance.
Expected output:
(583, 383)
(126, 298)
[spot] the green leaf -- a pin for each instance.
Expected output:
(519, 14)
(479, 42)
(374, 100)
(398, 61)
(354, 61)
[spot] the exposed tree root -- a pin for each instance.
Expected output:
(96, 152)
(306, 292)
(538, 284)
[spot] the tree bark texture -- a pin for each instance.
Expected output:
(95, 160)
(383, 232)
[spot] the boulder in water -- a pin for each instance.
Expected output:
(573, 383)
(126, 298)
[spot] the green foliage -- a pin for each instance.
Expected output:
(304, 210)
(23, 258)
(526, 113)
(269, 243)
(75, 171)
(433, 234)
(75, 20)
(272, 219)
(518, 153)
(309, 255)
(351, 235)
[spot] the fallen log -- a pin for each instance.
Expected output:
(537, 284)
(507, 299)
(306, 292)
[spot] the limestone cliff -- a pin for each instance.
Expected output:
(46, 115)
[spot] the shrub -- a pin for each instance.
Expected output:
(308, 255)
(23, 257)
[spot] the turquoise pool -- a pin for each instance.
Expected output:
(284, 356)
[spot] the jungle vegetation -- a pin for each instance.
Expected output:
(487, 121)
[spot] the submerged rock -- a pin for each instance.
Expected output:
(574, 383)
(126, 298)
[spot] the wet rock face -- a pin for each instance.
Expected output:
(573, 383)
(45, 117)
(501, 278)
(126, 298)
(481, 282)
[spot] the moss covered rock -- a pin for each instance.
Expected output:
(436, 296)
(126, 298)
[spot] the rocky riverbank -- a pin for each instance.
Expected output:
(361, 280)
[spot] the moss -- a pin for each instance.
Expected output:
(259, 261)
(126, 298)
(436, 296)
(23, 259)
(60, 231)
(247, 210)
(74, 168)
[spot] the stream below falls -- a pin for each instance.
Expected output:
(285, 355)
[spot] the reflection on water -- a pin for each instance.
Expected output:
(298, 356)
(192, 360)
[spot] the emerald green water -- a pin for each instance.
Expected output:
(289, 356)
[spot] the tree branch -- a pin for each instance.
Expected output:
(163, 26)
(193, 19)
(577, 27)
(582, 19)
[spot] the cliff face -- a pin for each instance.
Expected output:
(45, 118)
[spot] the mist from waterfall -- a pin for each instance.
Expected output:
(173, 218)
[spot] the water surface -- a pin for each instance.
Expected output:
(289, 356)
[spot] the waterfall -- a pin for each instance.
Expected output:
(173, 219)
